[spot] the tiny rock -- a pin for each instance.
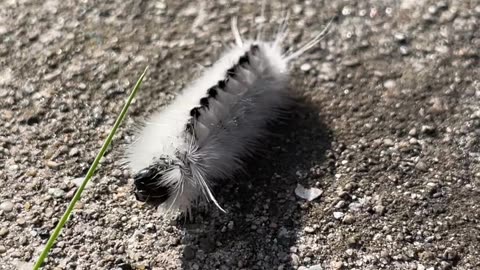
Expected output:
(3, 231)
(6, 206)
(379, 209)
(421, 166)
(309, 229)
(52, 164)
(429, 130)
(338, 215)
(56, 192)
(348, 219)
(306, 67)
(389, 84)
(294, 259)
(73, 152)
(308, 194)
(413, 132)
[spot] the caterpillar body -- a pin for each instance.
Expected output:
(213, 125)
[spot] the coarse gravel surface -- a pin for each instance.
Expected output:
(388, 128)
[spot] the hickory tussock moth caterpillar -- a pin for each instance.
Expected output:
(206, 133)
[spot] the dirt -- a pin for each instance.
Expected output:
(388, 128)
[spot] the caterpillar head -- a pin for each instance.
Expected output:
(147, 188)
(172, 184)
(151, 183)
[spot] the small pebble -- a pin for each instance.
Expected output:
(21, 221)
(6, 206)
(340, 204)
(338, 215)
(31, 172)
(379, 209)
(353, 240)
(48, 212)
(56, 192)
(294, 259)
(413, 132)
(348, 219)
(429, 130)
(388, 142)
(305, 67)
(52, 164)
(421, 166)
(73, 152)
(23, 240)
(16, 254)
(3, 231)
(351, 62)
(389, 84)
(401, 37)
(404, 50)
(309, 229)
(71, 193)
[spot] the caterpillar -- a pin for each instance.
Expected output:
(217, 122)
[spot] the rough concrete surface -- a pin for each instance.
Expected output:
(388, 128)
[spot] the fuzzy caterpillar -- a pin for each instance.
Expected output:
(214, 124)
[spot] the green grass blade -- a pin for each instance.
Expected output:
(89, 175)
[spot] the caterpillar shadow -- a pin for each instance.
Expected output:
(263, 214)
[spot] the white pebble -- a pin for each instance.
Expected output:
(306, 67)
(56, 192)
(338, 215)
(6, 206)
(308, 194)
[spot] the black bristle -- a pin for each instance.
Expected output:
(195, 112)
(204, 102)
(244, 60)
(222, 84)
(231, 72)
(212, 92)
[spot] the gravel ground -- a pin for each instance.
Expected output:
(388, 128)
